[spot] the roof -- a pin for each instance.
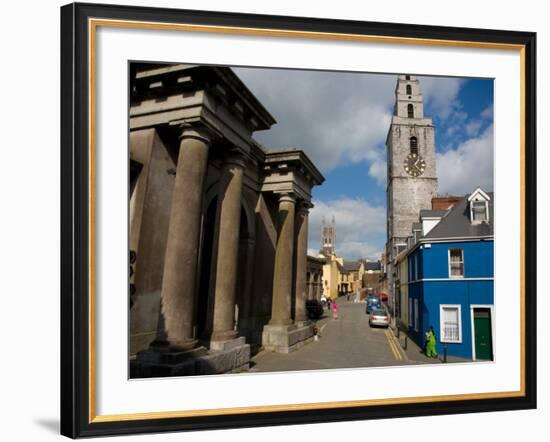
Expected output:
(373, 265)
(456, 224)
(427, 213)
(351, 266)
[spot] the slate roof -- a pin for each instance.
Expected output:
(456, 224)
(351, 266)
(432, 213)
(373, 265)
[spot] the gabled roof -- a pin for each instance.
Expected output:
(351, 266)
(372, 265)
(456, 224)
(426, 213)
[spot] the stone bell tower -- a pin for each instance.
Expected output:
(412, 176)
(328, 237)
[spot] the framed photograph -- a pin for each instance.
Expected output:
(273, 220)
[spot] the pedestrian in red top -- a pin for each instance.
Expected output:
(334, 310)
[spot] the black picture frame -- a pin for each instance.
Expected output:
(76, 420)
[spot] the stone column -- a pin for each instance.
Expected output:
(300, 313)
(227, 259)
(182, 247)
(282, 277)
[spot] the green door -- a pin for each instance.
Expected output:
(482, 332)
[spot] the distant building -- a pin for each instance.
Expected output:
(351, 276)
(373, 276)
(339, 276)
(446, 278)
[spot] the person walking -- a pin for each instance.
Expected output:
(334, 310)
(430, 344)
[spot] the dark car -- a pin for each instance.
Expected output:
(314, 309)
(373, 301)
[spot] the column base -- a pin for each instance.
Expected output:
(285, 338)
(228, 357)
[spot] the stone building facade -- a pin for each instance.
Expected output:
(314, 277)
(218, 225)
(412, 175)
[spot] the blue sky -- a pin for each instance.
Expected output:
(341, 121)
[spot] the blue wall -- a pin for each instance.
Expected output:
(433, 263)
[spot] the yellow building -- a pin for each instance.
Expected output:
(341, 277)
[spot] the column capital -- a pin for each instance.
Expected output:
(235, 157)
(287, 197)
(303, 207)
(194, 131)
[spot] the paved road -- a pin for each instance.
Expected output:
(347, 342)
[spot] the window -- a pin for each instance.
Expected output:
(410, 312)
(450, 323)
(479, 211)
(407, 77)
(410, 110)
(416, 321)
(409, 89)
(456, 263)
(413, 141)
(415, 267)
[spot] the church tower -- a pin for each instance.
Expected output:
(328, 238)
(412, 176)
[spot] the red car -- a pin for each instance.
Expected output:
(383, 297)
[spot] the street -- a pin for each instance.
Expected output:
(346, 342)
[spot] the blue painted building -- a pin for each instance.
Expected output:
(450, 277)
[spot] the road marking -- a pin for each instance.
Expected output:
(392, 345)
(323, 327)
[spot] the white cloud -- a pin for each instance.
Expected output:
(470, 165)
(487, 113)
(472, 127)
(337, 118)
(442, 95)
(378, 171)
(359, 226)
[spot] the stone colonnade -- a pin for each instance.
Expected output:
(315, 285)
(181, 259)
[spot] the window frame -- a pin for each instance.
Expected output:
(472, 211)
(451, 276)
(410, 110)
(413, 145)
(442, 337)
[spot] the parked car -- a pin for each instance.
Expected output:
(373, 301)
(383, 297)
(314, 309)
(379, 317)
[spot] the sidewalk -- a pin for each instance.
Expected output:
(415, 353)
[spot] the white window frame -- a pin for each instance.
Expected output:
(441, 323)
(451, 276)
(416, 315)
(472, 211)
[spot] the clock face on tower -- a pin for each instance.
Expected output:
(414, 165)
